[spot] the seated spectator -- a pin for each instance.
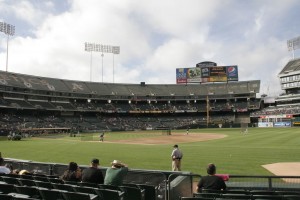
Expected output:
(24, 172)
(73, 173)
(211, 181)
(3, 168)
(116, 174)
(93, 174)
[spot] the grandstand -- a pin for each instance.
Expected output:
(74, 103)
(283, 110)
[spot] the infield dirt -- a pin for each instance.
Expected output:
(172, 139)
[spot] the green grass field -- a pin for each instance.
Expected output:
(238, 154)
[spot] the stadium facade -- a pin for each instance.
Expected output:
(284, 110)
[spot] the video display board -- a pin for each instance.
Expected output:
(188, 75)
(207, 74)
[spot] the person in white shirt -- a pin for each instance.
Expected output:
(3, 169)
(176, 158)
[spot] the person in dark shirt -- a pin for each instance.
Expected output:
(93, 174)
(211, 181)
(73, 173)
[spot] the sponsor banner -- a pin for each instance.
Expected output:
(296, 123)
(194, 75)
(282, 124)
(276, 116)
(181, 75)
(232, 73)
(207, 74)
(265, 124)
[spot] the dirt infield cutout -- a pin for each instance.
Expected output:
(172, 139)
(285, 169)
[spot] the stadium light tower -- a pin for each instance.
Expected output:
(293, 44)
(90, 47)
(9, 30)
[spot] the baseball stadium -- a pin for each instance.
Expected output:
(212, 116)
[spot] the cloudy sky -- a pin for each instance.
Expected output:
(155, 38)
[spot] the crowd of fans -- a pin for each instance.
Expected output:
(278, 110)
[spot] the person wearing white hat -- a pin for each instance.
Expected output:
(115, 175)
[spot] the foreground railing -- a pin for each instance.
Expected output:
(171, 185)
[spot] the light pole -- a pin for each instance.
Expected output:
(293, 44)
(90, 47)
(9, 30)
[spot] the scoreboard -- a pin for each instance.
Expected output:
(207, 74)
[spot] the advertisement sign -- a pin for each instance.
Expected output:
(206, 74)
(194, 75)
(265, 124)
(232, 73)
(282, 124)
(181, 75)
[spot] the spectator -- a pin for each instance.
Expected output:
(176, 158)
(115, 175)
(24, 172)
(93, 174)
(73, 173)
(3, 169)
(211, 181)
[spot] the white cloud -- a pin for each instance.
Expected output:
(155, 37)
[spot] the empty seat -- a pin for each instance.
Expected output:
(270, 197)
(196, 198)
(6, 188)
(10, 180)
(5, 197)
(27, 190)
(55, 180)
(26, 182)
(79, 196)
(71, 182)
(43, 184)
(110, 187)
(262, 192)
(291, 197)
(65, 187)
(236, 196)
(87, 190)
(51, 194)
(133, 193)
(110, 194)
(40, 178)
(87, 184)
(150, 191)
(207, 195)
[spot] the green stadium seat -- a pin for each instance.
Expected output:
(51, 194)
(110, 194)
(26, 182)
(133, 193)
(236, 196)
(6, 188)
(10, 180)
(79, 196)
(5, 197)
(27, 190)
(65, 187)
